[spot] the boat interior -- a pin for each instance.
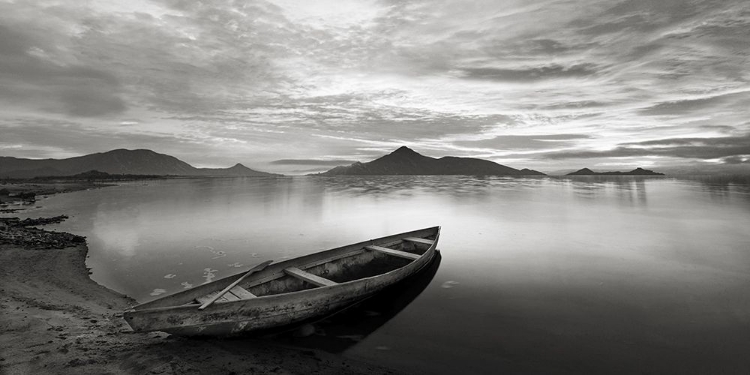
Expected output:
(333, 267)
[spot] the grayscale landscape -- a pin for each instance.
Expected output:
(374, 187)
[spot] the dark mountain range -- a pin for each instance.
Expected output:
(634, 172)
(133, 162)
(405, 161)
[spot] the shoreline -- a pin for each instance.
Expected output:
(55, 319)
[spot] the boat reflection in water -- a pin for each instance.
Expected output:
(339, 332)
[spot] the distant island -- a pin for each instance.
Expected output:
(118, 162)
(635, 172)
(405, 161)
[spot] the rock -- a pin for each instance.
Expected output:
(14, 231)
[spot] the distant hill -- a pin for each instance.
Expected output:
(92, 174)
(132, 162)
(238, 170)
(99, 176)
(405, 161)
(635, 172)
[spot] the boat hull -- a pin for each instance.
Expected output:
(266, 312)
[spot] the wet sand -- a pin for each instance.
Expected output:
(55, 319)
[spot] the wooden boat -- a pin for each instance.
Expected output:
(290, 291)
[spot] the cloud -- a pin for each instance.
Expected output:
(641, 15)
(320, 162)
(547, 47)
(525, 142)
(743, 159)
(65, 137)
(32, 79)
(719, 128)
(692, 148)
(530, 74)
(680, 107)
(712, 142)
(582, 104)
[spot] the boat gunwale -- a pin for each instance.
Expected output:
(136, 310)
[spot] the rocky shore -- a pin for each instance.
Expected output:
(55, 320)
(14, 231)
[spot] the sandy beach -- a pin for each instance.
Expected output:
(56, 320)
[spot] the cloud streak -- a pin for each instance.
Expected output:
(530, 74)
(316, 162)
(32, 78)
(730, 148)
(525, 142)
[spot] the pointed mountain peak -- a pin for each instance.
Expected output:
(582, 172)
(239, 165)
(405, 161)
(403, 150)
(644, 172)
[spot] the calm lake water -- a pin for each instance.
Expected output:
(587, 275)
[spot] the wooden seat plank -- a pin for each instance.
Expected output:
(242, 293)
(308, 277)
(396, 253)
(419, 240)
(207, 297)
(234, 294)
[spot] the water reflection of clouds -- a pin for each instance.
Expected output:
(722, 187)
(628, 190)
(408, 186)
(122, 239)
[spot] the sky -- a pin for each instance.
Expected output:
(299, 86)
